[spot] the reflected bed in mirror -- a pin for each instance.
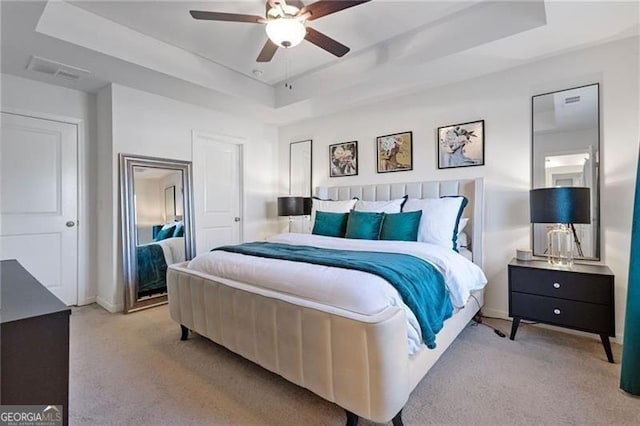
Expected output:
(157, 226)
(565, 152)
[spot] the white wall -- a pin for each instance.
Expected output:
(43, 100)
(145, 124)
(503, 100)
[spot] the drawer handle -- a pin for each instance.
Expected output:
(556, 311)
(556, 285)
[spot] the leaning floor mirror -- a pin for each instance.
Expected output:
(566, 153)
(157, 226)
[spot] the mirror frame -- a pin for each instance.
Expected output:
(598, 249)
(129, 263)
(310, 141)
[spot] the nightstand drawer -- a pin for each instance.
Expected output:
(568, 313)
(563, 284)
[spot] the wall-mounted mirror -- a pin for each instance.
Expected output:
(300, 171)
(566, 152)
(300, 158)
(157, 225)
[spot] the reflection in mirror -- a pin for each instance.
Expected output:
(157, 225)
(300, 169)
(170, 203)
(565, 152)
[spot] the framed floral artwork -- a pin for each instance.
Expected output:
(461, 145)
(343, 159)
(395, 152)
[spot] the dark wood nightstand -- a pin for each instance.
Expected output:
(580, 298)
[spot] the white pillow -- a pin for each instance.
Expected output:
(391, 206)
(331, 206)
(463, 237)
(462, 224)
(463, 240)
(439, 219)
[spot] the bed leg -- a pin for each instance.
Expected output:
(185, 332)
(397, 420)
(352, 419)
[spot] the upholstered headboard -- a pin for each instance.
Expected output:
(473, 189)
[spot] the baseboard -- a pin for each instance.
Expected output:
(87, 301)
(505, 315)
(110, 306)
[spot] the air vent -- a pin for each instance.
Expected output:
(571, 100)
(56, 69)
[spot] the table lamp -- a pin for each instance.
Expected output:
(562, 206)
(291, 206)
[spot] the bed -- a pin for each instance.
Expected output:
(359, 358)
(152, 260)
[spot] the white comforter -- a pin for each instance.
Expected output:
(352, 291)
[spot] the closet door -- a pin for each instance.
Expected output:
(217, 186)
(39, 200)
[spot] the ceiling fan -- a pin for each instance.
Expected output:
(286, 24)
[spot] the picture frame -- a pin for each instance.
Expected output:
(343, 159)
(461, 145)
(394, 152)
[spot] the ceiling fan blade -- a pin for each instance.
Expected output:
(327, 7)
(267, 52)
(228, 17)
(326, 43)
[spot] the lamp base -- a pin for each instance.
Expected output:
(560, 241)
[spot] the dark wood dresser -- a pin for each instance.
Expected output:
(580, 298)
(34, 342)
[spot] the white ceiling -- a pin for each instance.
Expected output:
(236, 45)
(397, 47)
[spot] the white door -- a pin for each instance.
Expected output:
(39, 200)
(217, 190)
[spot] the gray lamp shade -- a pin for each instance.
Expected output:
(290, 206)
(560, 205)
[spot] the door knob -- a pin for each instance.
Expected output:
(236, 219)
(70, 224)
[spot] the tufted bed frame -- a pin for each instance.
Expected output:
(361, 364)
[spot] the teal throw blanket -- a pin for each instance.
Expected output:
(419, 283)
(152, 270)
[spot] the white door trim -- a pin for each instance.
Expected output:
(233, 140)
(83, 270)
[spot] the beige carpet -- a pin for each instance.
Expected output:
(134, 370)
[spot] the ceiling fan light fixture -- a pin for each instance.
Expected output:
(286, 32)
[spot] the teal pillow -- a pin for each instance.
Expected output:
(165, 233)
(179, 231)
(401, 226)
(364, 225)
(330, 224)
